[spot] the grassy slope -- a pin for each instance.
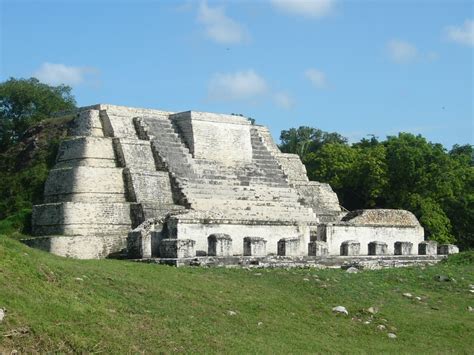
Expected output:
(120, 306)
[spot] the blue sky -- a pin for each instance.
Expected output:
(354, 67)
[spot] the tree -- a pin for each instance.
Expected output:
(306, 140)
(24, 102)
(402, 172)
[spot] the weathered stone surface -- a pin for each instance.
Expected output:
(340, 309)
(428, 247)
(81, 247)
(139, 240)
(87, 123)
(214, 136)
(317, 248)
(403, 248)
(219, 244)
(384, 217)
(288, 247)
(177, 248)
(336, 233)
(350, 248)
(446, 249)
(200, 174)
(378, 248)
(255, 246)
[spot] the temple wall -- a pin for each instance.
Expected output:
(80, 247)
(78, 218)
(86, 184)
(222, 138)
(271, 233)
(335, 234)
(86, 151)
(152, 186)
(134, 153)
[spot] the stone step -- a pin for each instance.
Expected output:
(210, 204)
(268, 215)
(240, 195)
(246, 189)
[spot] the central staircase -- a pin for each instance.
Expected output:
(258, 191)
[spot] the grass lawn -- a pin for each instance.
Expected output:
(57, 304)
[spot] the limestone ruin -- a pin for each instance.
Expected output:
(158, 184)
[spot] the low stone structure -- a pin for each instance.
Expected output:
(255, 246)
(317, 248)
(377, 248)
(157, 184)
(289, 247)
(428, 248)
(219, 244)
(446, 249)
(403, 248)
(350, 248)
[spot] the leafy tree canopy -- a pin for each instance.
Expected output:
(404, 171)
(24, 102)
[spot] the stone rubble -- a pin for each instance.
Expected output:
(340, 309)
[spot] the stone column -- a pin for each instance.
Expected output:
(318, 248)
(403, 248)
(255, 246)
(177, 248)
(378, 248)
(219, 244)
(446, 249)
(350, 248)
(288, 246)
(428, 247)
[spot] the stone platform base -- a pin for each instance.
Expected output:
(80, 247)
(361, 262)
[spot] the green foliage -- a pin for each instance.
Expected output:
(29, 140)
(404, 171)
(16, 224)
(24, 102)
(114, 307)
(432, 217)
(465, 258)
(306, 140)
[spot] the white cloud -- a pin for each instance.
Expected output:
(56, 74)
(402, 51)
(306, 8)
(283, 100)
(317, 78)
(461, 34)
(219, 27)
(241, 85)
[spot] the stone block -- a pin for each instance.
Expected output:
(86, 123)
(403, 248)
(317, 248)
(219, 244)
(446, 249)
(177, 248)
(378, 248)
(428, 247)
(138, 244)
(255, 246)
(288, 247)
(350, 248)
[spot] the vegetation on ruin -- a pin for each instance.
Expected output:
(55, 304)
(29, 140)
(404, 171)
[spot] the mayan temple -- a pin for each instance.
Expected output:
(151, 183)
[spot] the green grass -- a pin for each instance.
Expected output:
(57, 304)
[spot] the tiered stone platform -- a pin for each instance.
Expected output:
(157, 184)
